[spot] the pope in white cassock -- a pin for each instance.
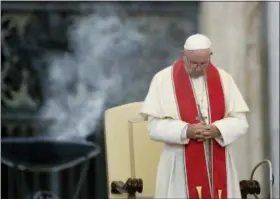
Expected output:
(197, 111)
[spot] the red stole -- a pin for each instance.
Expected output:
(195, 157)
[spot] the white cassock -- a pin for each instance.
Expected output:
(164, 125)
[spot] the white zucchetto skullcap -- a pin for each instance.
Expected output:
(197, 42)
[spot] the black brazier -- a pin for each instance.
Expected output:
(47, 155)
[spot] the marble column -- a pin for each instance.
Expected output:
(235, 31)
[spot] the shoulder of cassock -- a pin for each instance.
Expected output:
(160, 101)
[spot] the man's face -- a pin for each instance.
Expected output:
(196, 61)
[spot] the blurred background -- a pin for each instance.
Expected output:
(69, 62)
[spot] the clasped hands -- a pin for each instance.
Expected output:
(202, 132)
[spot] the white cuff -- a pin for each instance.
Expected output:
(184, 138)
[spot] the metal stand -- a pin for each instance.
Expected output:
(21, 185)
(46, 155)
(252, 186)
(82, 178)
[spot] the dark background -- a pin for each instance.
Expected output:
(32, 29)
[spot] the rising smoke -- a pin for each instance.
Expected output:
(81, 82)
(106, 51)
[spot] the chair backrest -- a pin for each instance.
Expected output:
(129, 150)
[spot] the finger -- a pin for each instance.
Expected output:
(206, 133)
(198, 131)
(208, 126)
(205, 127)
(208, 137)
(200, 140)
(198, 136)
(201, 126)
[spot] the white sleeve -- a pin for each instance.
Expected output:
(231, 128)
(167, 130)
(235, 124)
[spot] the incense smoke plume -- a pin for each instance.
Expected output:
(81, 82)
(114, 58)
